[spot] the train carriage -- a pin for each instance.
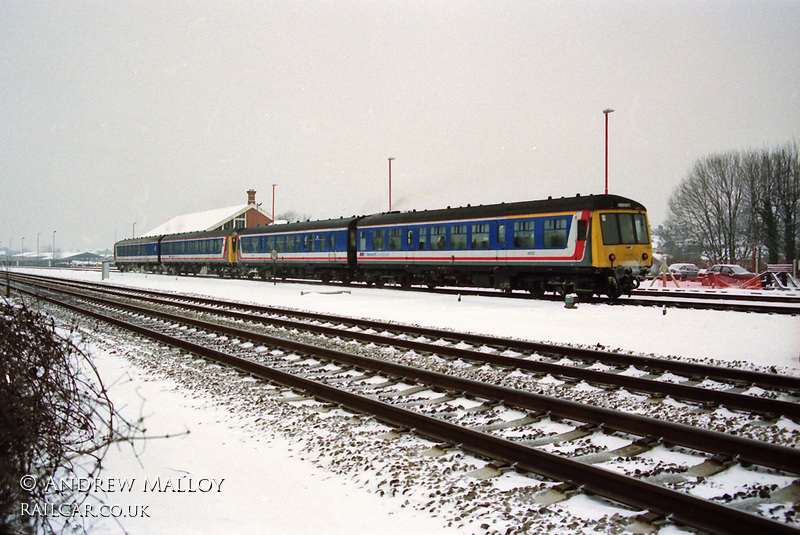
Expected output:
(312, 249)
(137, 254)
(196, 252)
(550, 245)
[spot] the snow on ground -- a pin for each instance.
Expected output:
(769, 340)
(271, 487)
(243, 482)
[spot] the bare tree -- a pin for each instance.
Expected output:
(707, 207)
(55, 418)
(735, 205)
(786, 174)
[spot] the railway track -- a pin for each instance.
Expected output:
(761, 303)
(502, 423)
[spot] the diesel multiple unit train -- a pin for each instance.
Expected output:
(596, 244)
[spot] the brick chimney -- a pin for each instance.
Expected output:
(251, 196)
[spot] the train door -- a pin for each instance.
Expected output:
(233, 247)
(352, 244)
(502, 237)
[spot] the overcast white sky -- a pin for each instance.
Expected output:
(118, 112)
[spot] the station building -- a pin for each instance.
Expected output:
(234, 217)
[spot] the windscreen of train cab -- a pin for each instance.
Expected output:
(624, 229)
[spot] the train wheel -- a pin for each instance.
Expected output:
(613, 291)
(536, 290)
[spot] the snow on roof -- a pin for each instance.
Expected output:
(199, 221)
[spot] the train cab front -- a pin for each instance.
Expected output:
(622, 249)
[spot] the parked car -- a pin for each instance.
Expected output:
(725, 275)
(684, 271)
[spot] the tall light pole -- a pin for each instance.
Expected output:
(133, 230)
(273, 203)
(390, 184)
(606, 112)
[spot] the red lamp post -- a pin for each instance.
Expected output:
(606, 112)
(390, 184)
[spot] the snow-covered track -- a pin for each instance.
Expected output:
(635, 373)
(577, 474)
(740, 301)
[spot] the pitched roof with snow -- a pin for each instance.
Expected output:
(199, 221)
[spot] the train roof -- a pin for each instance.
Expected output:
(196, 234)
(579, 202)
(141, 239)
(303, 226)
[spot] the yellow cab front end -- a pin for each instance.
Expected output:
(621, 247)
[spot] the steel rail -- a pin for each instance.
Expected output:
(774, 456)
(767, 380)
(679, 507)
(730, 400)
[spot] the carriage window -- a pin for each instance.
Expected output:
(422, 239)
(279, 244)
(555, 233)
(480, 236)
(523, 234)
(378, 240)
(394, 239)
(458, 237)
(501, 234)
(438, 238)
